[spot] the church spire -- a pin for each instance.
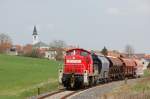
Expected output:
(35, 38)
(34, 31)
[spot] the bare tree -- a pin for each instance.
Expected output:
(129, 50)
(27, 50)
(58, 46)
(5, 38)
(5, 43)
(104, 51)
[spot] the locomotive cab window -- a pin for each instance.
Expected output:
(84, 54)
(72, 52)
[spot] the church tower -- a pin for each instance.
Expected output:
(35, 38)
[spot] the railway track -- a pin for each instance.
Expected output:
(64, 94)
(61, 94)
(69, 94)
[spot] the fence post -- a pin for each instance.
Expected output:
(125, 81)
(38, 91)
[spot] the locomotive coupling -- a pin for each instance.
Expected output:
(85, 77)
(72, 80)
(60, 75)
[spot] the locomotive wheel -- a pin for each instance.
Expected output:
(91, 81)
(68, 87)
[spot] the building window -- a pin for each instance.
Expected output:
(34, 37)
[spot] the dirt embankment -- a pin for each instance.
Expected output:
(135, 90)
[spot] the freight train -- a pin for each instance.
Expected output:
(86, 68)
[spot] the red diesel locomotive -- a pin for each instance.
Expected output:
(85, 68)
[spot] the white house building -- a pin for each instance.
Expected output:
(51, 54)
(145, 62)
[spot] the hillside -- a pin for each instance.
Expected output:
(20, 76)
(135, 90)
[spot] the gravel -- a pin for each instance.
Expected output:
(59, 95)
(96, 92)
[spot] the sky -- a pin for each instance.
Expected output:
(91, 24)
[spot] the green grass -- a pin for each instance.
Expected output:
(21, 76)
(147, 73)
(143, 85)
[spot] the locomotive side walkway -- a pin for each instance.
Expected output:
(97, 92)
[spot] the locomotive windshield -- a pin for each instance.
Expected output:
(84, 53)
(72, 52)
(77, 52)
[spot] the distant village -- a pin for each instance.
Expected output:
(37, 48)
(56, 50)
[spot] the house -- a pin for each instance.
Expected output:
(145, 62)
(41, 45)
(12, 51)
(114, 53)
(139, 55)
(51, 54)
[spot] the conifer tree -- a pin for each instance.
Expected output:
(104, 51)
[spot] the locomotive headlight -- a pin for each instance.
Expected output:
(73, 61)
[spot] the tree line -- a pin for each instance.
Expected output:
(5, 43)
(29, 50)
(57, 45)
(129, 51)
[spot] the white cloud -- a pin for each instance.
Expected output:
(113, 11)
(143, 8)
(50, 26)
(131, 7)
(139, 7)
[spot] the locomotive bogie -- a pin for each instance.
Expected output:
(72, 81)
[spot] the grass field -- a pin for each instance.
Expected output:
(21, 76)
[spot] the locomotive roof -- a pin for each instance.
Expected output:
(78, 49)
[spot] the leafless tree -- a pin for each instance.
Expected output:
(58, 46)
(5, 43)
(5, 38)
(129, 50)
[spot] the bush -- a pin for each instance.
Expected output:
(35, 53)
(59, 55)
